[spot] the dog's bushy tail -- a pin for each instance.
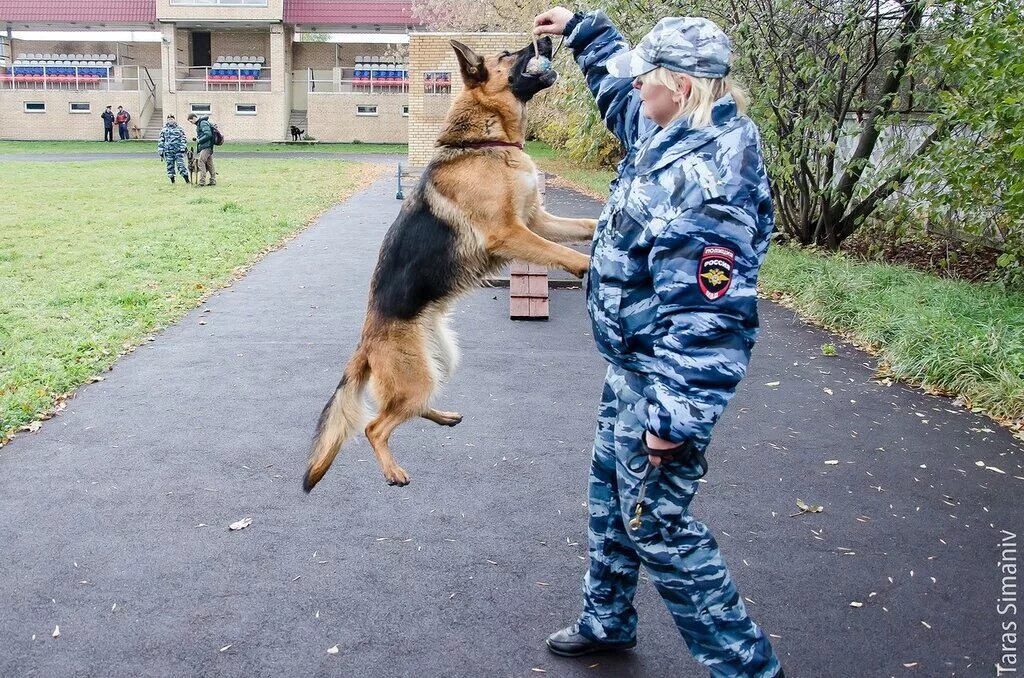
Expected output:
(343, 416)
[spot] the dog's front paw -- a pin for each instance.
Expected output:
(579, 266)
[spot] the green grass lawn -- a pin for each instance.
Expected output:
(149, 146)
(87, 271)
(592, 180)
(956, 337)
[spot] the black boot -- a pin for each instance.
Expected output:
(569, 642)
(172, 178)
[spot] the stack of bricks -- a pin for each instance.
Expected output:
(432, 52)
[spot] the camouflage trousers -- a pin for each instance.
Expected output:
(678, 551)
(176, 159)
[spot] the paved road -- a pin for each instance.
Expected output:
(373, 158)
(115, 515)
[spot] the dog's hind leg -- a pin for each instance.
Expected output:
(403, 383)
(444, 358)
(441, 417)
(378, 432)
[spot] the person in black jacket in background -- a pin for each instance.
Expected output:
(108, 124)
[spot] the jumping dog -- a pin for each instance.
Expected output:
(475, 208)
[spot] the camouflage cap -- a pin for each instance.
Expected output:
(692, 45)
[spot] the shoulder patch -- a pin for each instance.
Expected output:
(714, 273)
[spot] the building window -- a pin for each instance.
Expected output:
(35, 107)
(405, 111)
(200, 109)
(245, 109)
(220, 3)
(80, 107)
(437, 82)
(366, 110)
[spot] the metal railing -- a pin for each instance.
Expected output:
(71, 78)
(150, 88)
(251, 78)
(364, 81)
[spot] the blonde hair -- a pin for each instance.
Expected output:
(704, 92)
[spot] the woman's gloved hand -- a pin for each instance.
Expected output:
(552, 21)
(655, 443)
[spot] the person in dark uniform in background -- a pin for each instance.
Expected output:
(108, 124)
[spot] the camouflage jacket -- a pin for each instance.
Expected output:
(672, 284)
(172, 140)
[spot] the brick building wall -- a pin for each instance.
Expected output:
(140, 53)
(165, 11)
(268, 124)
(332, 117)
(57, 122)
(433, 52)
(321, 55)
(239, 43)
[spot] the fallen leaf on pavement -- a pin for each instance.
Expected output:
(856, 604)
(241, 524)
(333, 650)
(806, 508)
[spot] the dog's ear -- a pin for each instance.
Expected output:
(472, 65)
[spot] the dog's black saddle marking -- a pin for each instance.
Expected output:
(417, 264)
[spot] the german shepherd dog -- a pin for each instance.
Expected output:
(297, 133)
(192, 164)
(475, 208)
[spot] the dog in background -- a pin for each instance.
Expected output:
(192, 162)
(475, 208)
(297, 133)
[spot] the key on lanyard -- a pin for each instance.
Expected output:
(634, 524)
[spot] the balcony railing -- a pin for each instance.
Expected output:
(35, 76)
(252, 78)
(377, 80)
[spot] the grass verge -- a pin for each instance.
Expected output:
(948, 336)
(88, 272)
(592, 181)
(149, 146)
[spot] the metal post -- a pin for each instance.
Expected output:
(400, 195)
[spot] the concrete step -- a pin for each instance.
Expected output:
(156, 123)
(298, 119)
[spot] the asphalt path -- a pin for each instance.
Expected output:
(116, 513)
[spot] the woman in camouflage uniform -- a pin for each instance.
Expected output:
(672, 296)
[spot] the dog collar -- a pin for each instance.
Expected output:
(490, 144)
